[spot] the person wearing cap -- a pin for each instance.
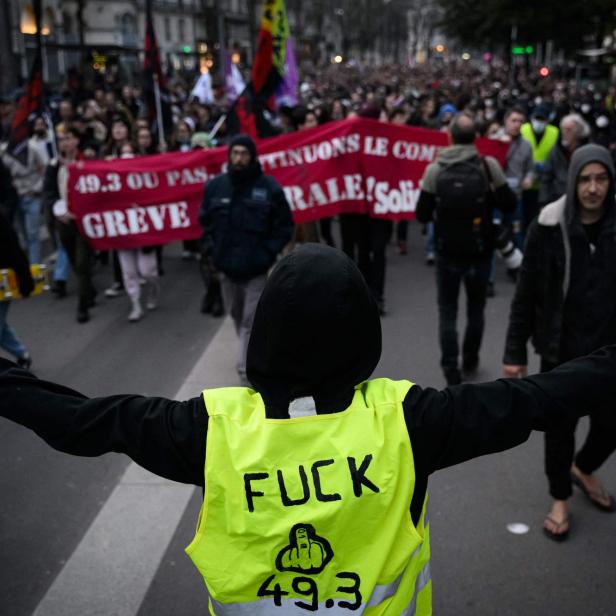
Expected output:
(564, 301)
(317, 475)
(542, 137)
(246, 223)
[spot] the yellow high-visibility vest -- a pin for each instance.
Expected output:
(311, 513)
(542, 148)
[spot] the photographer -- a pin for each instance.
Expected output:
(460, 191)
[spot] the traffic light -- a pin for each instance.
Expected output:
(544, 71)
(522, 50)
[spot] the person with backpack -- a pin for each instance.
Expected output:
(460, 190)
(318, 476)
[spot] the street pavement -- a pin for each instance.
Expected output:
(82, 536)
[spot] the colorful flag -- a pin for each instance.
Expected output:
(31, 101)
(249, 113)
(155, 93)
(268, 67)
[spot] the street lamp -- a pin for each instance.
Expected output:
(28, 21)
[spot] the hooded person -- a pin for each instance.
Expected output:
(314, 471)
(564, 303)
(246, 223)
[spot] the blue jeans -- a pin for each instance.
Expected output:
(30, 218)
(62, 266)
(450, 273)
(430, 247)
(8, 338)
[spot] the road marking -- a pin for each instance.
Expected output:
(112, 568)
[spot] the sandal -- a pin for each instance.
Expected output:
(593, 496)
(554, 534)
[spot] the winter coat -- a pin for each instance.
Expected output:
(556, 245)
(245, 226)
(13, 257)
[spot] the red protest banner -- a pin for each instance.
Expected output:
(354, 165)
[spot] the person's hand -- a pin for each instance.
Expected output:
(527, 183)
(66, 218)
(511, 371)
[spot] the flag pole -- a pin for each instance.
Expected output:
(159, 114)
(217, 126)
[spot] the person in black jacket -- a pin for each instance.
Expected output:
(566, 301)
(13, 257)
(76, 246)
(459, 193)
(246, 223)
(316, 336)
(9, 199)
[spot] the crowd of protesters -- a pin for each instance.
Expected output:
(106, 120)
(546, 120)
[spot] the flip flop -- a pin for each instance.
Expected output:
(592, 496)
(556, 536)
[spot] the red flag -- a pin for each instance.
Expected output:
(30, 103)
(155, 94)
(247, 116)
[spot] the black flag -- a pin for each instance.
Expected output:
(30, 103)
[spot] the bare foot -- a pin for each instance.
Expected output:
(556, 522)
(594, 488)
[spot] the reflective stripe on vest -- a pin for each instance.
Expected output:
(312, 512)
(288, 607)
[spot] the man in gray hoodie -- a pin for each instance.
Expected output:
(565, 302)
(459, 192)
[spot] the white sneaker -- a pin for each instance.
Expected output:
(151, 302)
(114, 290)
(136, 313)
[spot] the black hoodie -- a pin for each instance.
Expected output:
(315, 301)
(328, 341)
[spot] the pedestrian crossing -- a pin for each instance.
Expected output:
(113, 566)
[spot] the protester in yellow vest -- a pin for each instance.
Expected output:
(310, 475)
(542, 137)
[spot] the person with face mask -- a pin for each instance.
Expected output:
(318, 470)
(246, 223)
(542, 137)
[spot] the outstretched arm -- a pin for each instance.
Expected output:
(164, 436)
(466, 421)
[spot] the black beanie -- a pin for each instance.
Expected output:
(247, 142)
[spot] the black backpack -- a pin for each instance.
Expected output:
(463, 220)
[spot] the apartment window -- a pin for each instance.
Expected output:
(129, 30)
(167, 27)
(181, 30)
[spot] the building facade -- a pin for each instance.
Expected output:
(107, 35)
